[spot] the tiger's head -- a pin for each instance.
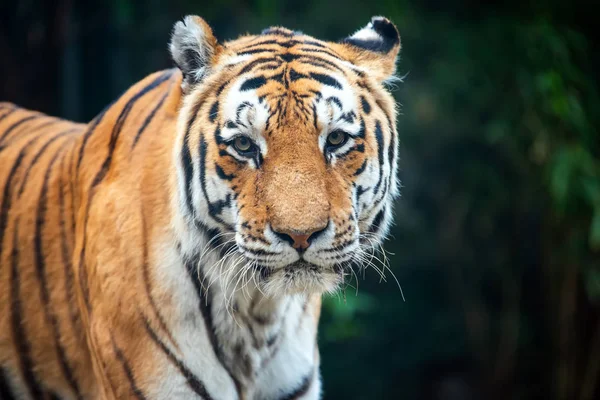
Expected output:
(287, 150)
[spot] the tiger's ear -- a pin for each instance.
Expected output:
(194, 49)
(375, 48)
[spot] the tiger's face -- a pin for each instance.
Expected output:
(287, 152)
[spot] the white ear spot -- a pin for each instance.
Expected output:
(366, 33)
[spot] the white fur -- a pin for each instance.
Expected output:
(367, 33)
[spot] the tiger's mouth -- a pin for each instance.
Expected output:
(301, 276)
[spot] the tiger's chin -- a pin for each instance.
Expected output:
(301, 277)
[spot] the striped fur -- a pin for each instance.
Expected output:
(149, 255)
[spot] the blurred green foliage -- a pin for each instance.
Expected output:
(497, 236)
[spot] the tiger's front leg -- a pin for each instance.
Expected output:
(146, 336)
(137, 361)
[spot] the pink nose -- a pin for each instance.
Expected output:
(299, 241)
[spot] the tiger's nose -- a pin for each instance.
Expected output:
(300, 240)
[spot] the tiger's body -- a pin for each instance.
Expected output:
(149, 254)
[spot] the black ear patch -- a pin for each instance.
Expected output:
(380, 35)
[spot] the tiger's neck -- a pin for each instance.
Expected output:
(266, 345)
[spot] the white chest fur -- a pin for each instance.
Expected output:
(240, 344)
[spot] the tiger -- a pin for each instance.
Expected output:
(178, 245)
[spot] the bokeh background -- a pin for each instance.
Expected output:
(497, 236)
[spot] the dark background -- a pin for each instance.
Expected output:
(497, 235)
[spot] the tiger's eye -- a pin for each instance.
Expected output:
(242, 144)
(336, 138)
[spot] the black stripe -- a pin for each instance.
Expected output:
(322, 51)
(295, 75)
(186, 159)
(321, 78)
(37, 156)
(361, 169)
(380, 148)
(356, 148)
(377, 221)
(315, 116)
(365, 105)
(239, 110)
(91, 128)
(347, 117)
(278, 78)
(218, 137)
(16, 125)
(289, 57)
(5, 391)
(205, 305)
(392, 146)
(326, 80)
(127, 369)
(335, 101)
(214, 208)
(149, 119)
(188, 172)
(259, 239)
(192, 380)
(362, 131)
(66, 255)
(22, 344)
(260, 252)
(214, 111)
(40, 268)
(7, 192)
(116, 131)
(375, 204)
(12, 110)
(301, 390)
(254, 51)
(391, 150)
(320, 62)
(253, 63)
(222, 173)
(286, 43)
(314, 43)
(360, 191)
(32, 130)
(253, 83)
(271, 66)
(269, 42)
(83, 281)
(49, 121)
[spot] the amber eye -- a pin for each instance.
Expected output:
(243, 144)
(336, 139)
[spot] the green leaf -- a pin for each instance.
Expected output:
(591, 189)
(560, 177)
(594, 238)
(592, 284)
